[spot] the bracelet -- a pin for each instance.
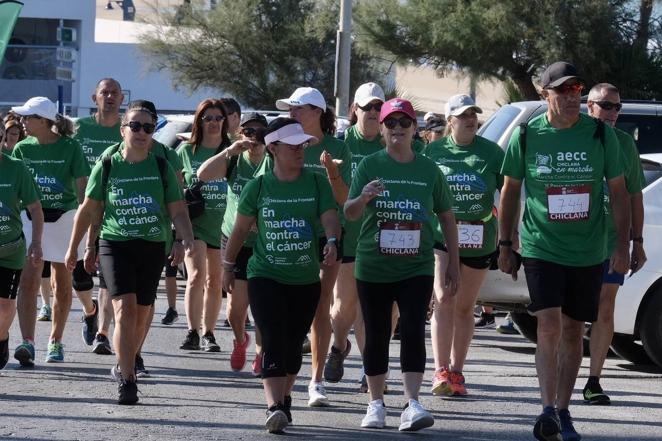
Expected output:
(229, 265)
(638, 239)
(505, 243)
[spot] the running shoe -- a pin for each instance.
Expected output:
(363, 385)
(485, 320)
(238, 357)
(306, 346)
(226, 323)
(101, 345)
(141, 372)
(55, 352)
(127, 392)
(593, 394)
(257, 366)
(91, 325)
(414, 417)
(568, 432)
(24, 353)
(192, 341)
(208, 343)
(4, 353)
(276, 419)
(548, 426)
(375, 416)
(170, 317)
(287, 407)
(441, 383)
(45, 313)
(317, 395)
(115, 373)
(334, 369)
(457, 384)
(508, 327)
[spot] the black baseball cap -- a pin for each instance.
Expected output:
(253, 116)
(144, 105)
(558, 73)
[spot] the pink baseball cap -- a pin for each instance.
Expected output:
(397, 105)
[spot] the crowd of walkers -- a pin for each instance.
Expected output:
(317, 234)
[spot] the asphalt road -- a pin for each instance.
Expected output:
(195, 395)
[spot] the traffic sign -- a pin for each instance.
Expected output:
(65, 74)
(66, 35)
(68, 54)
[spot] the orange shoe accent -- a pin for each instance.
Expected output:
(457, 384)
(441, 383)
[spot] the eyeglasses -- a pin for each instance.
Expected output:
(135, 126)
(294, 147)
(569, 88)
(608, 105)
(210, 118)
(249, 132)
(370, 106)
(404, 122)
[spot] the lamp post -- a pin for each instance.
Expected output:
(343, 57)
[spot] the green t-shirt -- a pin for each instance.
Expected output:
(473, 174)
(360, 148)
(287, 213)
(17, 189)
(240, 175)
(634, 181)
(397, 230)
(563, 171)
(206, 227)
(95, 138)
(135, 200)
(55, 168)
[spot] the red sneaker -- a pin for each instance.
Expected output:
(257, 366)
(457, 384)
(238, 357)
(441, 383)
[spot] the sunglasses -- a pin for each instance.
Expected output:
(569, 88)
(250, 132)
(135, 127)
(404, 122)
(370, 106)
(210, 118)
(294, 147)
(608, 105)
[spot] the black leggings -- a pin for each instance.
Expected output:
(413, 297)
(283, 313)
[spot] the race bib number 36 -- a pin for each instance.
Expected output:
(400, 238)
(470, 235)
(568, 204)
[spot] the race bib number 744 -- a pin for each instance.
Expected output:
(569, 203)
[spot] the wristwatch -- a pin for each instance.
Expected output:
(505, 243)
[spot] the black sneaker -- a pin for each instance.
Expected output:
(4, 353)
(192, 341)
(91, 325)
(208, 343)
(141, 372)
(127, 392)
(102, 345)
(485, 320)
(593, 394)
(226, 323)
(568, 432)
(547, 427)
(334, 369)
(287, 408)
(305, 347)
(276, 419)
(171, 316)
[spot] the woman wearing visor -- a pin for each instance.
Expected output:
(287, 204)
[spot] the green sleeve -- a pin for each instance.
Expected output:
(173, 159)
(266, 165)
(17, 153)
(93, 189)
(634, 174)
(496, 167)
(248, 199)
(612, 148)
(326, 201)
(28, 191)
(441, 194)
(79, 165)
(345, 168)
(513, 162)
(359, 181)
(185, 159)
(173, 190)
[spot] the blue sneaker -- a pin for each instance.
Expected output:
(547, 427)
(55, 352)
(24, 353)
(568, 431)
(91, 325)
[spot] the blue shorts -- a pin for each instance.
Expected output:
(615, 278)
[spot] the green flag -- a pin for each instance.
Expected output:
(9, 10)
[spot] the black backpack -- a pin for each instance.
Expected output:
(195, 201)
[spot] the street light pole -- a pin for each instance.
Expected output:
(343, 57)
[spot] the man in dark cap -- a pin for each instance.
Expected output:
(564, 157)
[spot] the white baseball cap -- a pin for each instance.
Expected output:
(430, 115)
(458, 104)
(301, 97)
(38, 105)
(368, 92)
(292, 134)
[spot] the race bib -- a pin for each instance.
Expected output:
(569, 203)
(470, 235)
(400, 238)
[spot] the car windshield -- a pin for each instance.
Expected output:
(646, 130)
(167, 135)
(652, 171)
(498, 124)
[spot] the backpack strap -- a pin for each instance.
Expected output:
(522, 138)
(106, 163)
(162, 163)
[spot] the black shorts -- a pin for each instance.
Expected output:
(478, 262)
(170, 271)
(82, 280)
(241, 262)
(132, 266)
(348, 259)
(575, 289)
(46, 272)
(213, 247)
(9, 279)
(322, 244)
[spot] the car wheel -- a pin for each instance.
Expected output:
(628, 349)
(526, 324)
(651, 329)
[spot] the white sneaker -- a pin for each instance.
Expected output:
(415, 417)
(375, 416)
(317, 395)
